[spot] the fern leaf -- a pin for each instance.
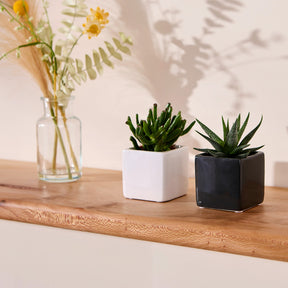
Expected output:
(97, 62)
(91, 72)
(64, 30)
(73, 13)
(120, 47)
(113, 52)
(67, 23)
(77, 78)
(105, 58)
(71, 68)
(58, 50)
(125, 39)
(83, 76)
(79, 65)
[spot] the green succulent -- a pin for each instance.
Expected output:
(230, 146)
(158, 133)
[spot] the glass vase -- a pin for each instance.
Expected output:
(59, 152)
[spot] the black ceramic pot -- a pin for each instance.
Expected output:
(229, 183)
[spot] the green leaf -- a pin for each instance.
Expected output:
(155, 112)
(83, 76)
(130, 124)
(125, 39)
(232, 137)
(243, 155)
(225, 129)
(91, 72)
(241, 131)
(71, 68)
(146, 128)
(213, 153)
(97, 62)
(175, 123)
(64, 30)
(88, 62)
(67, 23)
(239, 149)
(188, 128)
(210, 133)
(238, 121)
(150, 116)
(58, 50)
(120, 47)
(79, 65)
(135, 144)
(252, 150)
(162, 118)
(113, 52)
(68, 2)
(76, 78)
(157, 135)
(167, 124)
(105, 58)
(144, 140)
(215, 144)
(73, 13)
(174, 135)
(250, 135)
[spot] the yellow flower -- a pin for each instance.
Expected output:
(95, 22)
(100, 15)
(20, 7)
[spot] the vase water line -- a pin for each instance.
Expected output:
(59, 154)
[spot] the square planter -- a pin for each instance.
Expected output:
(229, 183)
(155, 176)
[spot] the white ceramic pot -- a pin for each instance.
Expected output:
(155, 176)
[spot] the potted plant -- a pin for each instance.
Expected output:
(230, 176)
(157, 168)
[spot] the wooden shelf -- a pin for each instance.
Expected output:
(96, 204)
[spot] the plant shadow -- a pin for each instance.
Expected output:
(171, 69)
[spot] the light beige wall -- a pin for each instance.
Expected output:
(36, 256)
(208, 58)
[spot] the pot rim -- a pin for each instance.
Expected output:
(206, 155)
(178, 147)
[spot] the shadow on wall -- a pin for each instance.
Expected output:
(280, 174)
(171, 69)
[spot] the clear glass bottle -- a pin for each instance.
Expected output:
(59, 154)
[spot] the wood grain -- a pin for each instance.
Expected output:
(96, 204)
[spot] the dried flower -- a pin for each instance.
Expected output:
(95, 22)
(49, 61)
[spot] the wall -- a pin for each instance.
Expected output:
(208, 58)
(38, 256)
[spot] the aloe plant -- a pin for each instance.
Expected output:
(230, 145)
(158, 133)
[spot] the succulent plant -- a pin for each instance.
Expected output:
(158, 133)
(230, 146)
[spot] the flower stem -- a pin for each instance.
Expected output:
(53, 57)
(55, 151)
(59, 136)
(69, 139)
